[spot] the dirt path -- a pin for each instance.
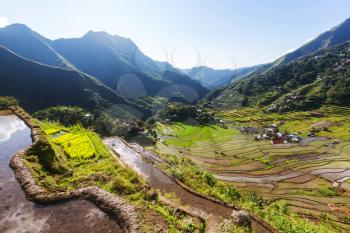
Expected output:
(213, 212)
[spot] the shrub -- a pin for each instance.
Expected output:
(123, 186)
(209, 179)
(8, 101)
(47, 157)
(66, 115)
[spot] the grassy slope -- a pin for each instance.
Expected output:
(186, 135)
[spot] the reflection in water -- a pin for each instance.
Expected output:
(18, 215)
(9, 124)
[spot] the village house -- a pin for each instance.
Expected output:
(272, 133)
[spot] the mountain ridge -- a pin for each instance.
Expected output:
(112, 59)
(38, 86)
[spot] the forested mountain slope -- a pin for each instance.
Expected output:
(39, 86)
(323, 77)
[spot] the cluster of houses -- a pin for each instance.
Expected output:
(273, 134)
(288, 100)
(340, 65)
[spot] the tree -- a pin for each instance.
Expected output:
(8, 101)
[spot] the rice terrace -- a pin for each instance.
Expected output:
(175, 117)
(313, 176)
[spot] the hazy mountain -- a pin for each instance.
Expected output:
(166, 66)
(334, 36)
(118, 63)
(29, 44)
(39, 86)
(213, 78)
(115, 61)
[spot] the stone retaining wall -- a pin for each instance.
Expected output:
(125, 214)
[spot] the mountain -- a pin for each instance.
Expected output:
(334, 36)
(39, 86)
(212, 78)
(236, 94)
(114, 60)
(166, 66)
(309, 82)
(29, 44)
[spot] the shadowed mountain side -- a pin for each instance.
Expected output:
(29, 44)
(38, 86)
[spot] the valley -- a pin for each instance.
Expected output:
(97, 136)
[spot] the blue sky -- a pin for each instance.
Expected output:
(216, 33)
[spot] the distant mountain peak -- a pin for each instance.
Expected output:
(18, 26)
(96, 33)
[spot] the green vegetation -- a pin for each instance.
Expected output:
(186, 113)
(307, 83)
(66, 115)
(200, 180)
(324, 191)
(68, 158)
(8, 101)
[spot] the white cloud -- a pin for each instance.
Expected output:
(10, 125)
(4, 22)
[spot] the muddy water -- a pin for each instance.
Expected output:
(163, 183)
(18, 215)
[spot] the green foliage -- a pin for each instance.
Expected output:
(186, 113)
(200, 180)
(324, 191)
(307, 83)
(8, 101)
(47, 157)
(66, 115)
(286, 222)
(106, 125)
